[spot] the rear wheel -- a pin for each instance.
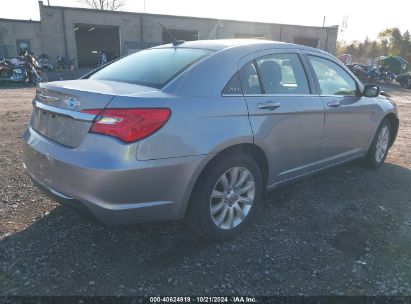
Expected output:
(379, 147)
(404, 82)
(226, 197)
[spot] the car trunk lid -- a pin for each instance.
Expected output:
(57, 107)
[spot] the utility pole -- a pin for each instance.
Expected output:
(344, 26)
(142, 23)
(48, 2)
(325, 47)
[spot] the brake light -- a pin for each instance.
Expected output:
(128, 125)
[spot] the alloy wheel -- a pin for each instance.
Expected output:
(232, 198)
(381, 144)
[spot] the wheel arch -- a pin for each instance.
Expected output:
(245, 148)
(392, 118)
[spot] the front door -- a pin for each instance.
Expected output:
(348, 114)
(286, 118)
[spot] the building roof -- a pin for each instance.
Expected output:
(177, 16)
(19, 20)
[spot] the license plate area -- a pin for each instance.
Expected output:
(60, 128)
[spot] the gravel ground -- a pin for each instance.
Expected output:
(346, 231)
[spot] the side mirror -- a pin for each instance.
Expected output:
(371, 90)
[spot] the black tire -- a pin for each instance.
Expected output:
(199, 214)
(42, 78)
(372, 160)
(389, 79)
(404, 83)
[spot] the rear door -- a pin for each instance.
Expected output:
(348, 114)
(286, 116)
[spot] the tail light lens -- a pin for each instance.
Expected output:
(128, 125)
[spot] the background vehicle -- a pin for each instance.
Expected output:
(24, 69)
(372, 74)
(65, 63)
(44, 62)
(359, 71)
(396, 64)
(386, 74)
(200, 130)
(345, 58)
(404, 80)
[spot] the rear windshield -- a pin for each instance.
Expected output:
(152, 68)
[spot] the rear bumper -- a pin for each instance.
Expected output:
(64, 200)
(114, 189)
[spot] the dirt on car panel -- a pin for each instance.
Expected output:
(344, 231)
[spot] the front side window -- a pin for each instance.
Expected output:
(283, 74)
(332, 78)
(152, 68)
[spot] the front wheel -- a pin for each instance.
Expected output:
(389, 79)
(379, 147)
(42, 77)
(226, 197)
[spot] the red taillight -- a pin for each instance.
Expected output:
(128, 125)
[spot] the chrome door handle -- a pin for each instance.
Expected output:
(269, 105)
(333, 104)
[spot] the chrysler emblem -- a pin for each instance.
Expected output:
(72, 103)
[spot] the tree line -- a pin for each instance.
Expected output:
(390, 42)
(110, 5)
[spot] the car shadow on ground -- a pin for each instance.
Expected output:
(325, 223)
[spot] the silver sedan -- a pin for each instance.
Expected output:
(199, 130)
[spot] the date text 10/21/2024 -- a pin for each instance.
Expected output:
(203, 299)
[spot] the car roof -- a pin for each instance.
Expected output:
(218, 68)
(220, 44)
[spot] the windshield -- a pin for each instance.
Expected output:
(152, 68)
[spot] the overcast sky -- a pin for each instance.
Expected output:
(365, 17)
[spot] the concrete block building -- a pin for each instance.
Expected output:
(79, 32)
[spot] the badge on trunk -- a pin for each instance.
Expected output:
(72, 103)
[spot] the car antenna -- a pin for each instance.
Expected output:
(175, 41)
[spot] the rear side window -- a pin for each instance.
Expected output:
(283, 74)
(233, 87)
(333, 80)
(249, 79)
(152, 68)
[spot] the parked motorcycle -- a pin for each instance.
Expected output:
(404, 80)
(64, 63)
(23, 69)
(358, 71)
(44, 62)
(386, 74)
(373, 74)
